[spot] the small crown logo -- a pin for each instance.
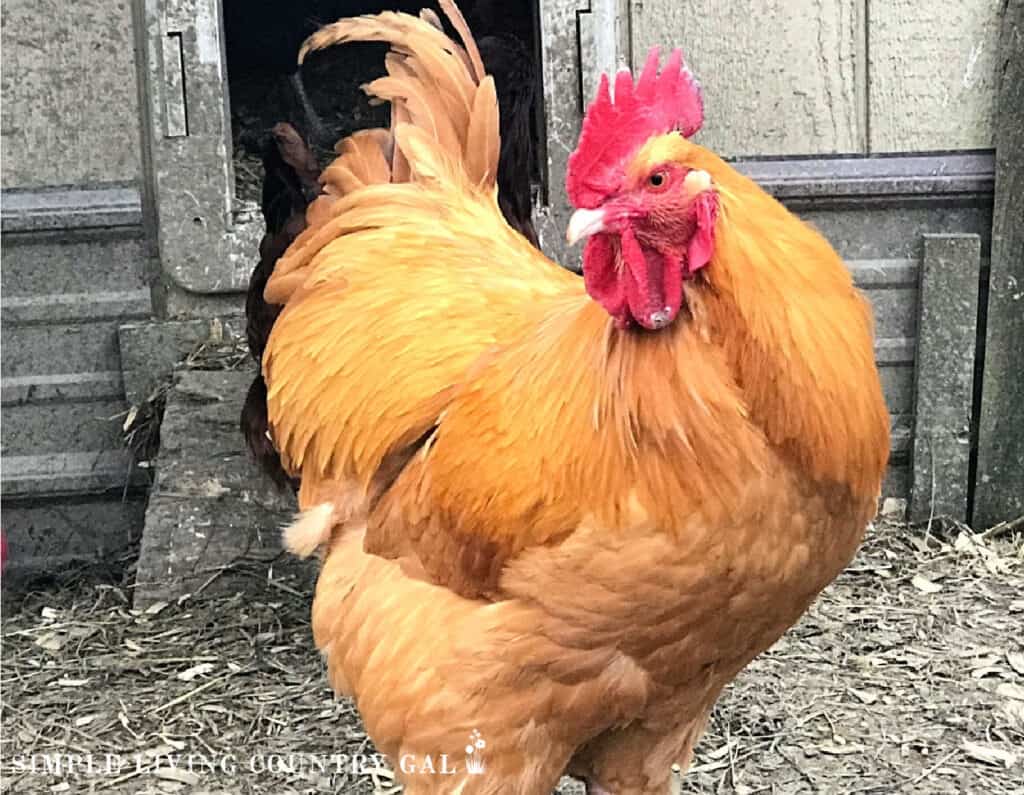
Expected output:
(474, 764)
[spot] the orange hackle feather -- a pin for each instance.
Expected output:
(579, 533)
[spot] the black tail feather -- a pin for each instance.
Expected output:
(290, 182)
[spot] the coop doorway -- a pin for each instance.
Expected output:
(323, 99)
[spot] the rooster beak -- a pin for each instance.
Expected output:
(584, 223)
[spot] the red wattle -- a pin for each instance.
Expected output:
(654, 283)
(601, 277)
(698, 252)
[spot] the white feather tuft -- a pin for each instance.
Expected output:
(310, 530)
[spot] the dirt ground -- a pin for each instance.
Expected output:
(906, 676)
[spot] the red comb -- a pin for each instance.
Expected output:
(614, 129)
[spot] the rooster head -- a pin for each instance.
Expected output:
(649, 212)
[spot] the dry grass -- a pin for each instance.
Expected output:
(907, 676)
(222, 350)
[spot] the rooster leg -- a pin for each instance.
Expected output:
(675, 782)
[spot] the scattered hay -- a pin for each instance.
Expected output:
(222, 350)
(140, 428)
(907, 676)
(140, 424)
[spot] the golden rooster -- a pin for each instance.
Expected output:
(557, 516)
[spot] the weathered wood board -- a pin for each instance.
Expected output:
(779, 78)
(999, 494)
(210, 514)
(946, 338)
(70, 108)
(825, 76)
(932, 74)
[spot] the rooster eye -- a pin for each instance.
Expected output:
(657, 179)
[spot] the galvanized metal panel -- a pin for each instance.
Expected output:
(206, 239)
(841, 76)
(898, 386)
(902, 433)
(864, 180)
(604, 44)
(62, 387)
(895, 312)
(56, 427)
(779, 78)
(45, 537)
(84, 306)
(897, 480)
(562, 114)
(73, 262)
(65, 208)
(70, 105)
(30, 477)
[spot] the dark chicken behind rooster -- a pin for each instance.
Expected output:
(290, 183)
(515, 80)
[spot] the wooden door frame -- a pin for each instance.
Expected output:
(999, 473)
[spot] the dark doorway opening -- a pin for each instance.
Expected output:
(324, 100)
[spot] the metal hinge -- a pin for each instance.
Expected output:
(174, 95)
(604, 43)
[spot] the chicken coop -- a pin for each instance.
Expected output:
(132, 135)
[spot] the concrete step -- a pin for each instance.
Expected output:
(210, 507)
(33, 350)
(70, 307)
(44, 535)
(69, 473)
(73, 262)
(54, 427)
(110, 206)
(61, 387)
(76, 265)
